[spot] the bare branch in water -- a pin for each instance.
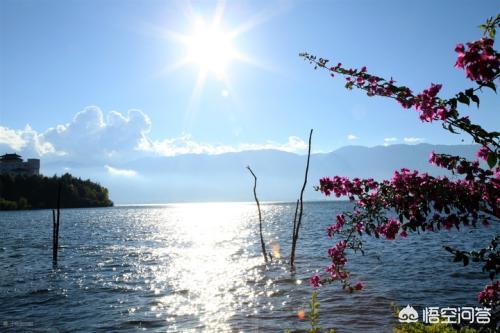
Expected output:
(264, 253)
(297, 222)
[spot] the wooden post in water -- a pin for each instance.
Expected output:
(55, 227)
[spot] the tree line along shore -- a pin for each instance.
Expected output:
(19, 192)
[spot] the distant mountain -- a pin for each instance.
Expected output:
(380, 162)
(280, 174)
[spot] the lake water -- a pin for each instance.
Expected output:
(198, 268)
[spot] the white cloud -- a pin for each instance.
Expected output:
(185, 145)
(11, 138)
(388, 141)
(89, 134)
(93, 137)
(413, 140)
(294, 144)
(351, 137)
(179, 146)
(27, 140)
(120, 172)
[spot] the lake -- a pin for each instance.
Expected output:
(198, 268)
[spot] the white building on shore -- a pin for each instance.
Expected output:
(14, 164)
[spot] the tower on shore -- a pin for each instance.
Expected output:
(14, 164)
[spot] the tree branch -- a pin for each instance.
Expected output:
(264, 253)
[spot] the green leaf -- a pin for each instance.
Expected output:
(475, 99)
(450, 128)
(469, 92)
(492, 160)
(463, 99)
(490, 85)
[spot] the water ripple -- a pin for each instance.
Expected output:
(198, 268)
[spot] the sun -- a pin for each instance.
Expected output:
(210, 47)
(209, 44)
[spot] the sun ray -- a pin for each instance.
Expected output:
(219, 11)
(210, 46)
(241, 57)
(255, 21)
(195, 98)
(174, 36)
(171, 67)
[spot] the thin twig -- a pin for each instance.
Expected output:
(55, 223)
(301, 211)
(293, 231)
(54, 247)
(264, 253)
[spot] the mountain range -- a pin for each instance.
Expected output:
(224, 177)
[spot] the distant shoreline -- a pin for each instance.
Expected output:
(223, 202)
(21, 192)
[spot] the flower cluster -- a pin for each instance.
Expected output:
(444, 161)
(480, 61)
(359, 227)
(343, 186)
(461, 166)
(427, 103)
(390, 229)
(414, 195)
(337, 226)
(336, 268)
(422, 202)
(358, 286)
(490, 295)
(315, 281)
(337, 254)
(429, 106)
(483, 153)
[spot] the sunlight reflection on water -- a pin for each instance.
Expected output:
(198, 268)
(213, 267)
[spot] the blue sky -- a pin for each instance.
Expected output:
(57, 58)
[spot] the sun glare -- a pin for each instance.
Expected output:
(209, 45)
(210, 48)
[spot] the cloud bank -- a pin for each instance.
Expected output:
(26, 140)
(92, 136)
(413, 140)
(120, 172)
